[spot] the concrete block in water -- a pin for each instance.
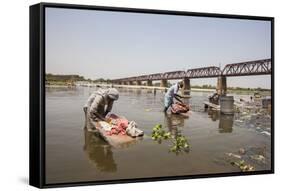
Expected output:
(266, 102)
(227, 104)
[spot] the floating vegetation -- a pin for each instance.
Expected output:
(243, 166)
(179, 142)
(249, 158)
(158, 133)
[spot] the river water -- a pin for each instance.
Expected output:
(76, 155)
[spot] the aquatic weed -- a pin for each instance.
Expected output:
(158, 133)
(243, 166)
(179, 142)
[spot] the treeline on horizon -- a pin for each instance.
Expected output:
(230, 88)
(70, 78)
(62, 78)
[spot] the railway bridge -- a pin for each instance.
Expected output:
(255, 67)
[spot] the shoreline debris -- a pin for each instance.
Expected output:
(248, 159)
(233, 155)
(243, 166)
(258, 158)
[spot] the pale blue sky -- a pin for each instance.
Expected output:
(99, 44)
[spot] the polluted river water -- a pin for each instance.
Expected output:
(218, 143)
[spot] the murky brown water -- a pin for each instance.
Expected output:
(74, 155)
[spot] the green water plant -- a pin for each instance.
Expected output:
(158, 133)
(243, 166)
(179, 142)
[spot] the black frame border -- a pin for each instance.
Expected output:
(37, 152)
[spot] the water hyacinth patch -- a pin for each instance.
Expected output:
(158, 133)
(179, 142)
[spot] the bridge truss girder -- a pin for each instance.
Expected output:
(257, 67)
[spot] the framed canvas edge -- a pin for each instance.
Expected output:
(37, 88)
(35, 98)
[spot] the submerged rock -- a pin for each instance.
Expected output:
(265, 133)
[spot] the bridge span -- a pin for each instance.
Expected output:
(255, 67)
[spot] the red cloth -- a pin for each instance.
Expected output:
(179, 108)
(119, 127)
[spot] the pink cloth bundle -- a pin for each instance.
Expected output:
(179, 108)
(119, 125)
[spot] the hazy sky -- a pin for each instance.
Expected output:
(99, 44)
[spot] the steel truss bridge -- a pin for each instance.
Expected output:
(256, 67)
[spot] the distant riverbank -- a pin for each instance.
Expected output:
(239, 91)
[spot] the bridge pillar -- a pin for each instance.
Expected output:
(138, 83)
(221, 85)
(149, 83)
(124, 83)
(164, 83)
(186, 86)
(130, 83)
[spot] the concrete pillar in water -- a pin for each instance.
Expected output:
(186, 86)
(226, 123)
(221, 85)
(138, 83)
(227, 104)
(163, 83)
(149, 83)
